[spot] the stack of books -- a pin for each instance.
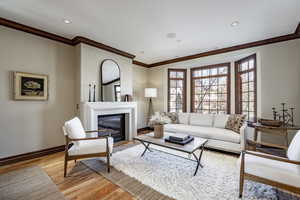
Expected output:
(179, 139)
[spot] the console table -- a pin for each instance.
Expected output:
(281, 131)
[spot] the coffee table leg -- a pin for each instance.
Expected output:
(198, 160)
(146, 148)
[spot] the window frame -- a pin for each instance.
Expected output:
(238, 85)
(228, 75)
(184, 106)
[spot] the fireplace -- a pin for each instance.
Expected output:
(115, 124)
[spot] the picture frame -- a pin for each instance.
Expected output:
(30, 87)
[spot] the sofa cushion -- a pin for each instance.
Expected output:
(272, 170)
(198, 119)
(91, 146)
(293, 152)
(183, 118)
(74, 128)
(204, 132)
(220, 120)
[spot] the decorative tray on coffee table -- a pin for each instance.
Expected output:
(181, 142)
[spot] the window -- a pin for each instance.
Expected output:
(245, 72)
(211, 89)
(177, 90)
(117, 92)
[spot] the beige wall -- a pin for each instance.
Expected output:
(140, 82)
(34, 125)
(278, 77)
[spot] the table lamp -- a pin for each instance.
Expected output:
(150, 93)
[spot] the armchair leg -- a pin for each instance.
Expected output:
(66, 166)
(242, 174)
(241, 185)
(108, 163)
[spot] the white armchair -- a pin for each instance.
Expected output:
(85, 147)
(276, 171)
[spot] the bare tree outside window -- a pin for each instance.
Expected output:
(211, 89)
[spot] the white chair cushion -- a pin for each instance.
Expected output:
(91, 146)
(220, 120)
(293, 152)
(198, 119)
(183, 118)
(74, 128)
(204, 132)
(273, 170)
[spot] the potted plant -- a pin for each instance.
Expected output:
(157, 121)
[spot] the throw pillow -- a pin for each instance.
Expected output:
(172, 116)
(235, 122)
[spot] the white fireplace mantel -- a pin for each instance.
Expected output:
(89, 112)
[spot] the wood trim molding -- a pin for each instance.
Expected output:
(229, 49)
(140, 63)
(34, 31)
(76, 40)
(297, 31)
(31, 155)
(79, 39)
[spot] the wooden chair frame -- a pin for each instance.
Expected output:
(244, 175)
(75, 157)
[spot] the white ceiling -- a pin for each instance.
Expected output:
(142, 25)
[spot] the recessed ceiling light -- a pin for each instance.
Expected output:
(178, 40)
(66, 21)
(235, 23)
(171, 35)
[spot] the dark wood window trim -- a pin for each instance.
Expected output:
(238, 85)
(184, 86)
(228, 75)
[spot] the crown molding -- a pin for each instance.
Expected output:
(140, 63)
(79, 39)
(76, 40)
(229, 49)
(34, 31)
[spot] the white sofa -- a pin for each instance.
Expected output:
(211, 127)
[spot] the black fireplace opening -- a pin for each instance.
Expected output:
(115, 125)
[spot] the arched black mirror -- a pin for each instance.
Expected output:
(110, 81)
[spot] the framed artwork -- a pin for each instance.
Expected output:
(29, 86)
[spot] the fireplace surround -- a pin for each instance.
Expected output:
(90, 111)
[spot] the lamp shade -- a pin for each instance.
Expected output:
(150, 92)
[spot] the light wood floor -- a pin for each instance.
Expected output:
(81, 183)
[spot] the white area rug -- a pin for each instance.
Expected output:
(173, 176)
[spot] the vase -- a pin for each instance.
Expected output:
(158, 131)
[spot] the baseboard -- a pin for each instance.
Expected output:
(30, 155)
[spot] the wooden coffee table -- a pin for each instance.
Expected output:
(190, 148)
